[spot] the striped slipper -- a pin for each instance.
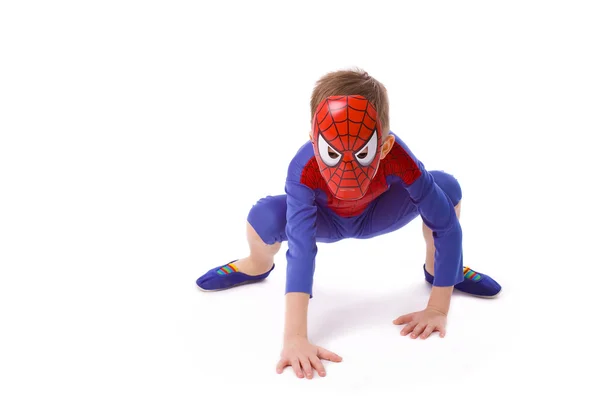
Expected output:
(474, 283)
(226, 277)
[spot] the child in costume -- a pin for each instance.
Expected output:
(353, 179)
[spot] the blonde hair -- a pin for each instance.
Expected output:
(353, 82)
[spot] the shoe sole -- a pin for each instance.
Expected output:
(481, 296)
(474, 295)
(230, 287)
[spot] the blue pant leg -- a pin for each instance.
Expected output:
(268, 218)
(449, 185)
(394, 209)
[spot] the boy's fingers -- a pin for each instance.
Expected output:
(418, 329)
(281, 365)
(403, 319)
(318, 365)
(328, 355)
(427, 331)
(297, 368)
(408, 328)
(306, 367)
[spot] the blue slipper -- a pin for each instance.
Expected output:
(474, 283)
(226, 277)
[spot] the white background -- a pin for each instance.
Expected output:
(135, 137)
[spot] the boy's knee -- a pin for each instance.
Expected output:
(449, 184)
(267, 217)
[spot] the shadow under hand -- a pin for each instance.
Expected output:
(337, 313)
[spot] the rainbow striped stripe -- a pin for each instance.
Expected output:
(470, 274)
(227, 269)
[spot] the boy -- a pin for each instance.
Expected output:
(353, 179)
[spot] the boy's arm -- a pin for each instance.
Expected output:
(300, 229)
(438, 213)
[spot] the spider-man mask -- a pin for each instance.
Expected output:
(347, 142)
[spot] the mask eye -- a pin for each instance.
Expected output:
(366, 155)
(328, 154)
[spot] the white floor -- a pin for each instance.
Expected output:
(116, 314)
(135, 136)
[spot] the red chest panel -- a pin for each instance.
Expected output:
(397, 162)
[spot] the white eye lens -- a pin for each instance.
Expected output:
(329, 156)
(366, 155)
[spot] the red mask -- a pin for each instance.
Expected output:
(347, 142)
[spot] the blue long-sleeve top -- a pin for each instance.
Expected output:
(305, 186)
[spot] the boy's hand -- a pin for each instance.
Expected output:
(423, 323)
(303, 356)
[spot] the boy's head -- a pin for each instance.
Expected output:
(353, 82)
(350, 131)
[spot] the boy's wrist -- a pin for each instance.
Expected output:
(437, 310)
(439, 300)
(288, 337)
(296, 315)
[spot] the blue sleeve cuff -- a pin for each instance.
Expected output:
(300, 274)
